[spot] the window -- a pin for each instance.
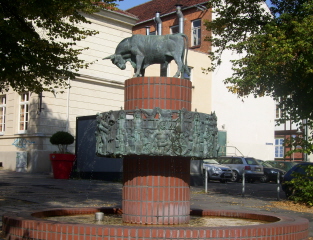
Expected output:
(2, 113)
(278, 112)
(196, 32)
(175, 29)
(225, 161)
(152, 33)
(279, 148)
(24, 112)
(251, 161)
(237, 161)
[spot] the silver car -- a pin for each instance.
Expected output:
(239, 165)
(216, 171)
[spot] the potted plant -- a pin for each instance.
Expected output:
(62, 161)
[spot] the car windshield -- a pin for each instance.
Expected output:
(210, 161)
(265, 164)
(251, 161)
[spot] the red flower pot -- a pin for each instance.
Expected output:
(62, 165)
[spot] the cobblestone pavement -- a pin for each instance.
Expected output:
(25, 191)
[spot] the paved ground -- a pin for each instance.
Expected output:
(24, 191)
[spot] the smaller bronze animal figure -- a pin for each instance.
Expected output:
(144, 50)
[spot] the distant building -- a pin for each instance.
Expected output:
(288, 130)
(245, 126)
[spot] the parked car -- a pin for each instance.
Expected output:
(284, 165)
(270, 173)
(299, 168)
(216, 171)
(239, 165)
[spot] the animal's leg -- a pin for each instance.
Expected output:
(142, 72)
(135, 70)
(179, 66)
(139, 61)
(163, 72)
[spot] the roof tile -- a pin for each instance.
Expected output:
(147, 10)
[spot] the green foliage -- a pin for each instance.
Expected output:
(298, 144)
(274, 51)
(38, 38)
(62, 140)
(301, 186)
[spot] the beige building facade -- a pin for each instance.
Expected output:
(28, 119)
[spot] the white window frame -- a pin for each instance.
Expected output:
(195, 32)
(23, 116)
(278, 112)
(2, 113)
(279, 148)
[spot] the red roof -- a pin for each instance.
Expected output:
(147, 10)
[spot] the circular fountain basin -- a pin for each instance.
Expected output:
(32, 225)
(116, 219)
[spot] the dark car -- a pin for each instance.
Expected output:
(270, 173)
(284, 165)
(299, 168)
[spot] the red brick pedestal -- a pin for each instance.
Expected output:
(163, 92)
(156, 189)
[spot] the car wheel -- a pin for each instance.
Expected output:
(264, 179)
(235, 177)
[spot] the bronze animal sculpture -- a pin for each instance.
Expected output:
(144, 50)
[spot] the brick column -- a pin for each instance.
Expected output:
(156, 188)
(163, 92)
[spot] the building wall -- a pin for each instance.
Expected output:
(249, 122)
(99, 88)
(289, 130)
(168, 21)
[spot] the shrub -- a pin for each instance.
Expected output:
(62, 140)
(301, 186)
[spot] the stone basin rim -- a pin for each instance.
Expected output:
(273, 219)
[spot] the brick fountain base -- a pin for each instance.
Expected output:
(27, 225)
(157, 143)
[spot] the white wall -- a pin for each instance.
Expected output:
(249, 122)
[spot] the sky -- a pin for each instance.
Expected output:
(126, 4)
(123, 5)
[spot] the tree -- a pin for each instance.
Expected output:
(275, 49)
(38, 38)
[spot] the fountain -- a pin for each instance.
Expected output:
(156, 134)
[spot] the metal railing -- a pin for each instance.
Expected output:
(243, 189)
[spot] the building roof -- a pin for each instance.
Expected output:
(104, 6)
(126, 13)
(147, 10)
